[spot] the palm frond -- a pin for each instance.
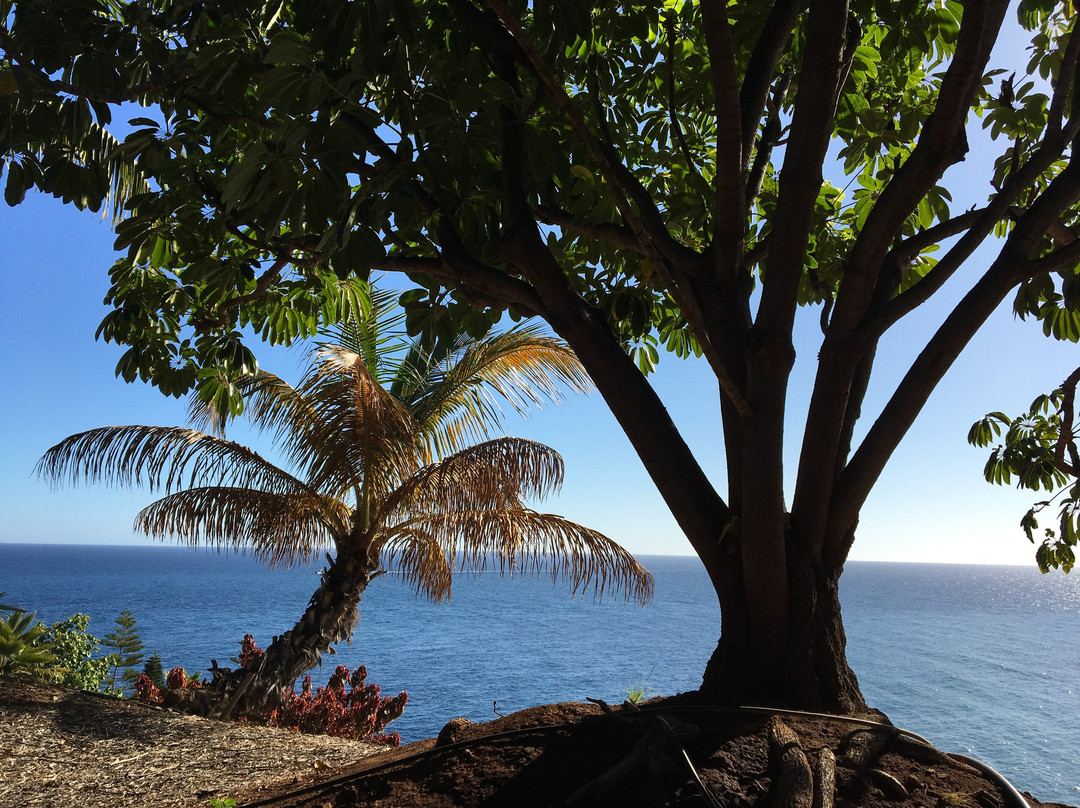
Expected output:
(361, 436)
(460, 401)
(374, 333)
(523, 540)
(493, 474)
(422, 563)
(159, 457)
(278, 528)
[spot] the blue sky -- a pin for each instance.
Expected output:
(931, 504)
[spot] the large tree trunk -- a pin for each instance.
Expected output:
(812, 672)
(331, 616)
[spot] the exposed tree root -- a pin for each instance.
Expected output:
(825, 779)
(794, 783)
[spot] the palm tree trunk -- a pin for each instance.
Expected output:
(330, 617)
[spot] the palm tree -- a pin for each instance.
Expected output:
(393, 464)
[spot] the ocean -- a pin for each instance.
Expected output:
(978, 659)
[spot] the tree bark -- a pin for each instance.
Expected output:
(812, 673)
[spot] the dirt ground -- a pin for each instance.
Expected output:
(64, 748)
(61, 747)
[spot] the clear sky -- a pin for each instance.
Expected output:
(931, 503)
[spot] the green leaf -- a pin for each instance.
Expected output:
(15, 188)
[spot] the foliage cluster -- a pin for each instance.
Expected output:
(1038, 449)
(348, 707)
(63, 653)
(74, 648)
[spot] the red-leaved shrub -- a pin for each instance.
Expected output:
(346, 708)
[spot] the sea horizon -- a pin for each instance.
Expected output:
(167, 546)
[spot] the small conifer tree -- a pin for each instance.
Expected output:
(125, 658)
(155, 671)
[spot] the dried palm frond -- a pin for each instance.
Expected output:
(459, 401)
(493, 474)
(159, 457)
(279, 528)
(532, 542)
(360, 435)
(423, 563)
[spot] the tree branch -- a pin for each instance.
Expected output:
(262, 286)
(619, 235)
(1068, 255)
(649, 229)
(673, 117)
(1012, 266)
(980, 224)
(761, 70)
(729, 214)
(770, 135)
(700, 512)
(910, 247)
(1066, 84)
(941, 143)
(801, 176)
(666, 253)
(1066, 441)
(481, 285)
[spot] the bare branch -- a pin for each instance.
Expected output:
(673, 116)
(770, 135)
(1066, 84)
(1066, 441)
(801, 176)
(1066, 256)
(978, 225)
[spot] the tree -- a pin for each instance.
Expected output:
(125, 658)
(638, 175)
(154, 671)
(381, 435)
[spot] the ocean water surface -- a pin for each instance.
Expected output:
(981, 660)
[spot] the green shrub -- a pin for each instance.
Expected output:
(74, 649)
